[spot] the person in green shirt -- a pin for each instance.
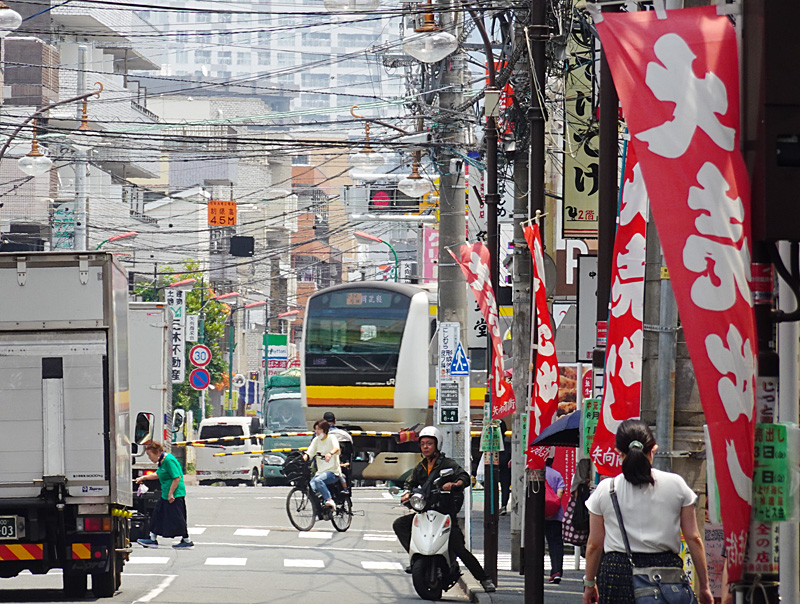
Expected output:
(169, 516)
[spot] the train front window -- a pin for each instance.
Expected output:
(356, 331)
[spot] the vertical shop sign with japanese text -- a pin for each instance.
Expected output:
(581, 141)
(176, 300)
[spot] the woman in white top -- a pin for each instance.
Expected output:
(656, 506)
(328, 471)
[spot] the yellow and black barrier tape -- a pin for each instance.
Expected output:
(226, 439)
(286, 450)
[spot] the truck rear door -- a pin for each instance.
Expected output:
(53, 409)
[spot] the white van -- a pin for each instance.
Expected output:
(233, 469)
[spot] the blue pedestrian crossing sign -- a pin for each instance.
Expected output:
(460, 365)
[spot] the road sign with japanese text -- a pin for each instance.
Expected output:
(221, 213)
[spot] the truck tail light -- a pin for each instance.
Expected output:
(96, 524)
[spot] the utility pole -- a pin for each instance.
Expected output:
(538, 33)
(452, 303)
(81, 242)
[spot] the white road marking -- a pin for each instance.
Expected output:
(148, 560)
(304, 547)
(372, 565)
(226, 561)
(388, 496)
(315, 535)
(197, 530)
(303, 563)
(369, 537)
(250, 532)
(158, 590)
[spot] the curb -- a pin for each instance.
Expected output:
(473, 589)
(190, 479)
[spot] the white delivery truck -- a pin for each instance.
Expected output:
(150, 398)
(244, 467)
(65, 455)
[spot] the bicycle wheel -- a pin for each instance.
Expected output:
(300, 509)
(343, 515)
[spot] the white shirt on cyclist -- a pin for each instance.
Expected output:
(325, 444)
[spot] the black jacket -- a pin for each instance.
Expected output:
(420, 476)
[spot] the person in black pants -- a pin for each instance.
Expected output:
(552, 525)
(505, 470)
(428, 469)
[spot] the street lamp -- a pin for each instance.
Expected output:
(429, 44)
(34, 163)
(366, 159)
(366, 236)
(128, 235)
(176, 283)
(231, 347)
(10, 20)
(415, 185)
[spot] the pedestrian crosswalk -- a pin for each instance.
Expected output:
(504, 562)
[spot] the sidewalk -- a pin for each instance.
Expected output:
(511, 585)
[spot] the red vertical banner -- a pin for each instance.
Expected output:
(622, 385)
(474, 262)
(678, 83)
(545, 370)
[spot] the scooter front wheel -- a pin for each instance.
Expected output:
(427, 578)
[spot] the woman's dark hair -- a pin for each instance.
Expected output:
(323, 425)
(636, 465)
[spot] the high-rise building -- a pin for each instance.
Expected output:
(290, 49)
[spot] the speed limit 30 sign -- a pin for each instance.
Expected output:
(200, 355)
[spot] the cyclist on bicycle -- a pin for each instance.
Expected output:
(326, 450)
(346, 446)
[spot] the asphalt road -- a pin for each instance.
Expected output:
(247, 552)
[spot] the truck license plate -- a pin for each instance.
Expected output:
(8, 527)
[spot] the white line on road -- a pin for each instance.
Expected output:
(226, 561)
(148, 560)
(369, 537)
(197, 530)
(315, 535)
(250, 532)
(372, 565)
(388, 496)
(303, 563)
(157, 591)
(327, 548)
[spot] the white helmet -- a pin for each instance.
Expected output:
(432, 432)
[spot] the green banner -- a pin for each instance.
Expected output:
(772, 497)
(491, 437)
(591, 416)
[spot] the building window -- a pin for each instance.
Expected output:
(202, 57)
(224, 75)
(286, 79)
(353, 80)
(225, 38)
(356, 40)
(285, 59)
(310, 57)
(224, 58)
(243, 58)
(204, 17)
(181, 56)
(315, 80)
(314, 101)
(263, 38)
(182, 17)
(263, 58)
(301, 160)
(359, 62)
(316, 39)
(243, 38)
(183, 38)
(225, 18)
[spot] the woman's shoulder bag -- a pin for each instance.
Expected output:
(656, 584)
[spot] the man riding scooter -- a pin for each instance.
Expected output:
(429, 469)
